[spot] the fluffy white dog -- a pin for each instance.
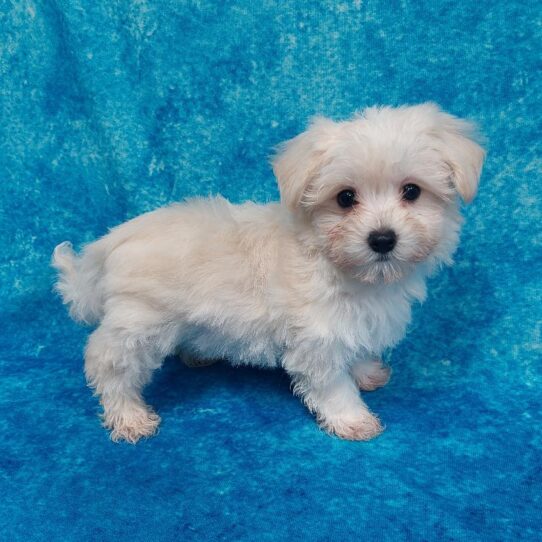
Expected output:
(319, 284)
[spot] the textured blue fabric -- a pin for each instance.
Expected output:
(112, 108)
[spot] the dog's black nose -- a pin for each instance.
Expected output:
(382, 241)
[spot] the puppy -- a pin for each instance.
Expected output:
(318, 284)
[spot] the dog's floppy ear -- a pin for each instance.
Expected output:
(464, 156)
(297, 160)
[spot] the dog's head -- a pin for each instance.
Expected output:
(379, 192)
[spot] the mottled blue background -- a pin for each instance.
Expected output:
(112, 108)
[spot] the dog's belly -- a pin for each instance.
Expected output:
(249, 348)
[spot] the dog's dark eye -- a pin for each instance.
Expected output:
(346, 198)
(411, 192)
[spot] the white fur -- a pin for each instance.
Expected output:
(292, 284)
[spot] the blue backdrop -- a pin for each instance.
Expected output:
(112, 108)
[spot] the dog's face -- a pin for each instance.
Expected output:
(379, 192)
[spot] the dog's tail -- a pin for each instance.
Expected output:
(79, 280)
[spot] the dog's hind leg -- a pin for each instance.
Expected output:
(195, 362)
(118, 366)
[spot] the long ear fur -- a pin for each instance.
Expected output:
(457, 142)
(297, 160)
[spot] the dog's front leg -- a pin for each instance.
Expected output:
(332, 394)
(370, 374)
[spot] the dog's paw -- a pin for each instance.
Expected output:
(363, 427)
(133, 425)
(371, 375)
(194, 362)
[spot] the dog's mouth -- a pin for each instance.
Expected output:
(381, 268)
(385, 269)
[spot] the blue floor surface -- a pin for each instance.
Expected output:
(109, 109)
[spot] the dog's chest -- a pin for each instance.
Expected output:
(372, 320)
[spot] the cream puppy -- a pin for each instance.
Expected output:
(319, 284)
